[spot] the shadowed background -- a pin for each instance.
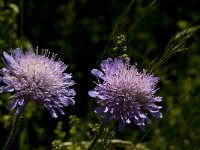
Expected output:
(82, 33)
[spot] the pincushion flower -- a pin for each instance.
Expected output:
(125, 94)
(33, 77)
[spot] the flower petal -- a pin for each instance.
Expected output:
(51, 110)
(9, 59)
(98, 73)
(93, 93)
(13, 104)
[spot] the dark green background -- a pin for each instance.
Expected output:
(82, 33)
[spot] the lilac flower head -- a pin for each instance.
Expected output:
(125, 94)
(30, 76)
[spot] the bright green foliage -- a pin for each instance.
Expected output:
(57, 145)
(120, 45)
(59, 131)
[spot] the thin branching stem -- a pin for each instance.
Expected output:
(97, 136)
(180, 100)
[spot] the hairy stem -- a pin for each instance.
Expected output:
(13, 133)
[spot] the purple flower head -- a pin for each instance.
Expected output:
(30, 76)
(125, 94)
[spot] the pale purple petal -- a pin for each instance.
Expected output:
(13, 104)
(93, 93)
(9, 59)
(6, 89)
(97, 73)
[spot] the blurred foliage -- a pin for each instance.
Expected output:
(9, 28)
(84, 32)
(8, 25)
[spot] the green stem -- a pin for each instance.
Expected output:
(94, 141)
(13, 133)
